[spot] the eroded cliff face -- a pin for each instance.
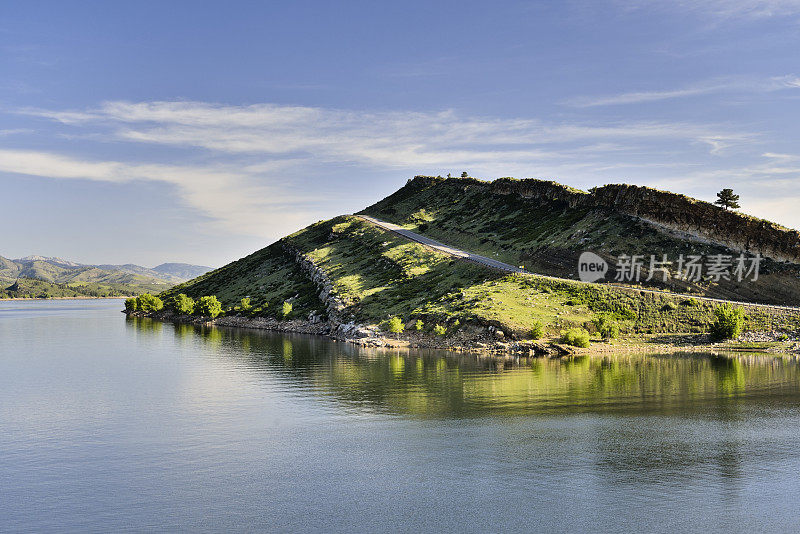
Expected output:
(540, 189)
(672, 211)
(702, 219)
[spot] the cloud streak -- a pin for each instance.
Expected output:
(222, 194)
(382, 138)
(776, 83)
(747, 10)
(641, 97)
(254, 159)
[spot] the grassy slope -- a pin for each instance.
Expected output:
(268, 277)
(379, 274)
(548, 236)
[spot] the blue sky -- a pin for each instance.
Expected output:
(200, 131)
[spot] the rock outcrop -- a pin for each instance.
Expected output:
(334, 304)
(701, 219)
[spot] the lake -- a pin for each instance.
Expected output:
(110, 424)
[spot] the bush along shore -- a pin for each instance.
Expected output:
(726, 332)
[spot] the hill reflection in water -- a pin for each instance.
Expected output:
(428, 383)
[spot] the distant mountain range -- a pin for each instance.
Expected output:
(43, 276)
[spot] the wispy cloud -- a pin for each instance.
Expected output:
(723, 9)
(641, 96)
(752, 9)
(775, 83)
(255, 157)
(383, 138)
(780, 157)
(224, 194)
(719, 143)
(15, 131)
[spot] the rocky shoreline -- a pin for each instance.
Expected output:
(484, 343)
(371, 336)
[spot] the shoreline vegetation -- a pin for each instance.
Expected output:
(490, 341)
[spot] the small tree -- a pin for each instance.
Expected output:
(439, 330)
(537, 330)
(395, 325)
(246, 304)
(182, 304)
(607, 328)
(208, 306)
(464, 174)
(727, 199)
(419, 325)
(131, 305)
(287, 309)
(149, 303)
(729, 323)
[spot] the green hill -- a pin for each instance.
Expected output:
(42, 277)
(545, 227)
(348, 270)
(38, 289)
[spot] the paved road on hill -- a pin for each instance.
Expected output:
(483, 260)
(489, 262)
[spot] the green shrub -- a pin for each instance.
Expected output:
(729, 322)
(607, 328)
(149, 303)
(626, 314)
(287, 309)
(208, 306)
(537, 330)
(669, 306)
(245, 304)
(577, 337)
(439, 330)
(395, 325)
(131, 304)
(456, 324)
(182, 304)
(419, 325)
(783, 337)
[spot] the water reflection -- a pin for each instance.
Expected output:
(145, 324)
(137, 425)
(443, 384)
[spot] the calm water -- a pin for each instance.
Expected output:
(111, 424)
